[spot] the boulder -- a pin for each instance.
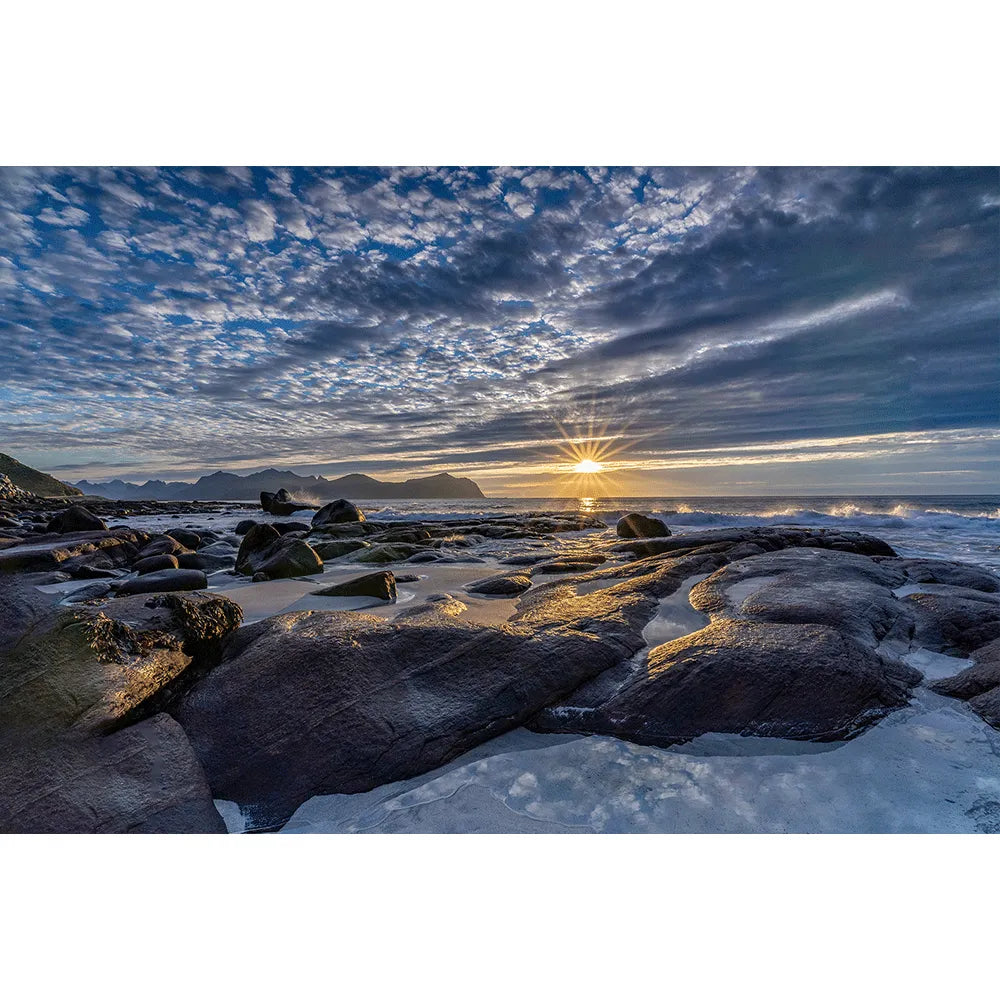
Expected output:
(335, 548)
(163, 580)
(93, 667)
(164, 545)
(804, 682)
(313, 703)
(792, 648)
(938, 571)
(75, 518)
(268, 555)
(244, 526)
(381, 585)
(337, 512)
(51, 552)
(284, 527)
(563, 566)
(641, 526)
(979, 684)
(386, 553)
(189, 539)
(143, 779)
(282, 504)
(955, 621)
(503, 585)
(153, 563)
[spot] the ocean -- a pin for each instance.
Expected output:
(959, 527)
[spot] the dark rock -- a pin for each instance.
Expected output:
(516, 583)
(804, 682)
(284, 527)
(51, 552)
(527, 560)
(381, 585)
(152, 564)
(407, 578)
(266, 552)
(244, 526)
(766, 539)
(75, 518)
(841, 590)
(89, 593)
(187, 560)
(563, 566)
(143, 779)
(95, 573)
(427, 556)
(641, 526)
(321, 702)
(387, 553)
(955, 574)
(90, 668)
(164, 580)
(335, 548)
(955, 623)
(982, 676)
(162, 546)
(189, 539)
(337, 512)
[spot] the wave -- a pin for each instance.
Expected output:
(900, 517)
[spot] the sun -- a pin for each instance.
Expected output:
(588, 465)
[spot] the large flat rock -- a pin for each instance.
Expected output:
(317, 702)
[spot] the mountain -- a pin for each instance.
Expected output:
(33, 481)
(228, 486)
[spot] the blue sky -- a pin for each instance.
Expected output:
(734, 330)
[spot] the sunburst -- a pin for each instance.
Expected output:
(588, 451)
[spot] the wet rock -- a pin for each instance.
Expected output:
(92, 667)
(527, 560)
(164, 545)
(565, 566)
(75, 518)
(162, 581)
(957, 622)
(244, 526)
(265, 551)
(979, 684)
(841, 590)
(282, 503)
(189, 539)
(641, 526)
(386, 553)
(314, 703)
(515, 583)
(152, 564)
(51, 552)
(337, 512)
(284, 527)
(143, 779)
(334, 549)
(938, 571)
(805, 682)
(91, 592)
(381, 585)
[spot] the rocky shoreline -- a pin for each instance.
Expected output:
(264, 656)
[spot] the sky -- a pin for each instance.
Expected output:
(698, 330)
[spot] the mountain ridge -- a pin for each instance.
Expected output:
(39, 483)
(223, 485)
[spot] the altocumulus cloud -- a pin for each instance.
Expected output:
(175, 320)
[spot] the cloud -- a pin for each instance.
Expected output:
(158, 318)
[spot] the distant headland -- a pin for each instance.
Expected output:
(228, 486)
